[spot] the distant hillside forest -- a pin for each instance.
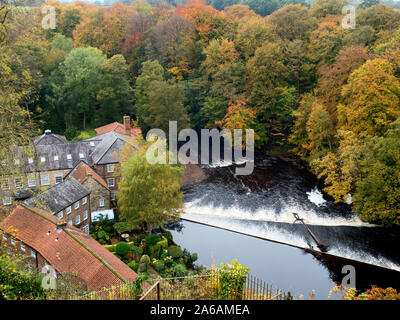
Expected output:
(328, 94)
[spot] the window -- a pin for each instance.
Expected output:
(44, 180)
(69, 157)
(58, 178)
(76, 206)
(111, 182)
(31, 181)
(5, 237)
(42, 159)
(5, 185)
(68, 210)
(81, 155)
(84, 200)
(112, 196)
(70, 222)
(78, 219)
(92, 144)
(56, 157)
(85, 215)
(30, 160)
(33, 253)
(7, 201)
(86, 228)
(13, 241)
(23, 247)
(18, 183)
(110, 168)
(60, 215)
(101, 202)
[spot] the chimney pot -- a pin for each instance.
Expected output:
(127, 123)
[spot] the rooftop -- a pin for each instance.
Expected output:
(82, 171)
(68, 249)
(59, 197)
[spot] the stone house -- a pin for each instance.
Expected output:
(68, 200)
(100, 194)
(106, 157)
(41, 166)
(46, 240)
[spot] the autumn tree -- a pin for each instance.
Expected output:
(173, 45)
(323, 8)
(371, 99)
(292, 22)
(333, 77)
(377, 196)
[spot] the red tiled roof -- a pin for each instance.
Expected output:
(81, 172)
(118, 127)
(68, 249)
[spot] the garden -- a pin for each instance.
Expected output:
(150, 255)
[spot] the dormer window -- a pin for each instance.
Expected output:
(42, 159)
(81, 155)
(92, 144)
(69, 157)
(56, 157)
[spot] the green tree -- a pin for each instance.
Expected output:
(149, 193)
(377, 194)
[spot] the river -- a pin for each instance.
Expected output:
(261, 204)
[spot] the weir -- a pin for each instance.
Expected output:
(315, 253)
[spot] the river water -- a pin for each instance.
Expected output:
(262, 204)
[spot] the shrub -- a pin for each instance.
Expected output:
(122, 248)
(152, 239)
(102, 235)
(102, 241)
(232, 278)
(179, 270)
(159, 266)
(156, 252)
(194, 257)
(133, 265)
(150, 250)
(71, 132)
(175, 252)
(163, 254)
(137, 250)
(145, 259)
(168, 262)
(139, 238)
(168, 235)
(163, 243)
(110, 247)
(142, 267)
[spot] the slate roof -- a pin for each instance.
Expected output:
(68, 249)
(82, 171)
(107, 145)
(49, 138)
(119, 128)
(59, 197)
(62, 150)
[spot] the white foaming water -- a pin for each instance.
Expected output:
(269, 214)
(316, 197)
(224, 163)
(275, 234)
(349, 253)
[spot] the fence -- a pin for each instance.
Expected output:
(201, 287)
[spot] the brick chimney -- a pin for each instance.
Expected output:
(127, 123)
